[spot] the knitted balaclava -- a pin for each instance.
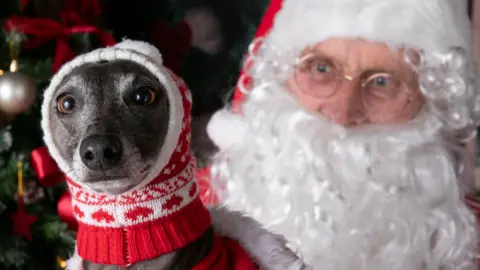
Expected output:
(161, 215)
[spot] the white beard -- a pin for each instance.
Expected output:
(367, 198)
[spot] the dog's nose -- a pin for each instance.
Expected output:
(101, 152)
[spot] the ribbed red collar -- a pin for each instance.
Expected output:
(140, 225)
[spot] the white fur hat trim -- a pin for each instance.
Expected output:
(432, 25)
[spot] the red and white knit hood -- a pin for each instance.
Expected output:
(179, 97)
(162, 214)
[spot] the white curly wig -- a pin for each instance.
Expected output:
(370, 197)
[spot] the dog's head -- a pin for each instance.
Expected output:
(108, 123)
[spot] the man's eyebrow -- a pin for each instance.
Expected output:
(397, 74)
(372, 71)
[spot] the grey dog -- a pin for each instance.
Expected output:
(113, 138)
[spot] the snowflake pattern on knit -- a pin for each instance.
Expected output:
(147, 204)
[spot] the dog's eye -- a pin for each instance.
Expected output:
(65, 103)
(144, 96)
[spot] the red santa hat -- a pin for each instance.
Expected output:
(292, 25)
(262, 31)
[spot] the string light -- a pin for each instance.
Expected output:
(61, 262)
(20, 179)
(14, 53)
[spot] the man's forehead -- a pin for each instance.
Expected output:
(361, 53)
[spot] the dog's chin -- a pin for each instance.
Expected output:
(113, 187)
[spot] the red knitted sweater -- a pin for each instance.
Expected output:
(131, 228)
(164, 215)
(141, 225)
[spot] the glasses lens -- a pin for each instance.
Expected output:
(383, 94)
(316, 75)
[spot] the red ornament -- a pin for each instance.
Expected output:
(64, 208)
(48, 175)
(46, 168)
(22, 221)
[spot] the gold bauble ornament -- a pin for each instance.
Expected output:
(17, 92)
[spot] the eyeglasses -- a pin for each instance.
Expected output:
(381, 92)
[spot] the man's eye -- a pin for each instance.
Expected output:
(322, 68)
(321, 71)
(66, 104)
(381, 81)
(144, 96)
(383, 86)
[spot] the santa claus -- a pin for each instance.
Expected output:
(349, 141)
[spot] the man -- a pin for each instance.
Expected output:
(349, 141)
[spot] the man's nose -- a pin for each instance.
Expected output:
(347, 109)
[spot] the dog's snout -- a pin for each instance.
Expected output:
(101, 152)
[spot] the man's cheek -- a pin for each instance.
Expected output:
(309, 102)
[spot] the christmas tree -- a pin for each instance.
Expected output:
(38, 36)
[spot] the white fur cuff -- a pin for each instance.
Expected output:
(226, 129)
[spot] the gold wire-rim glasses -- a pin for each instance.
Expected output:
(326, 83)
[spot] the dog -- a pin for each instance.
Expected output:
(106, 123)
(116, 138)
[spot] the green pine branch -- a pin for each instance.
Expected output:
(51, 237)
